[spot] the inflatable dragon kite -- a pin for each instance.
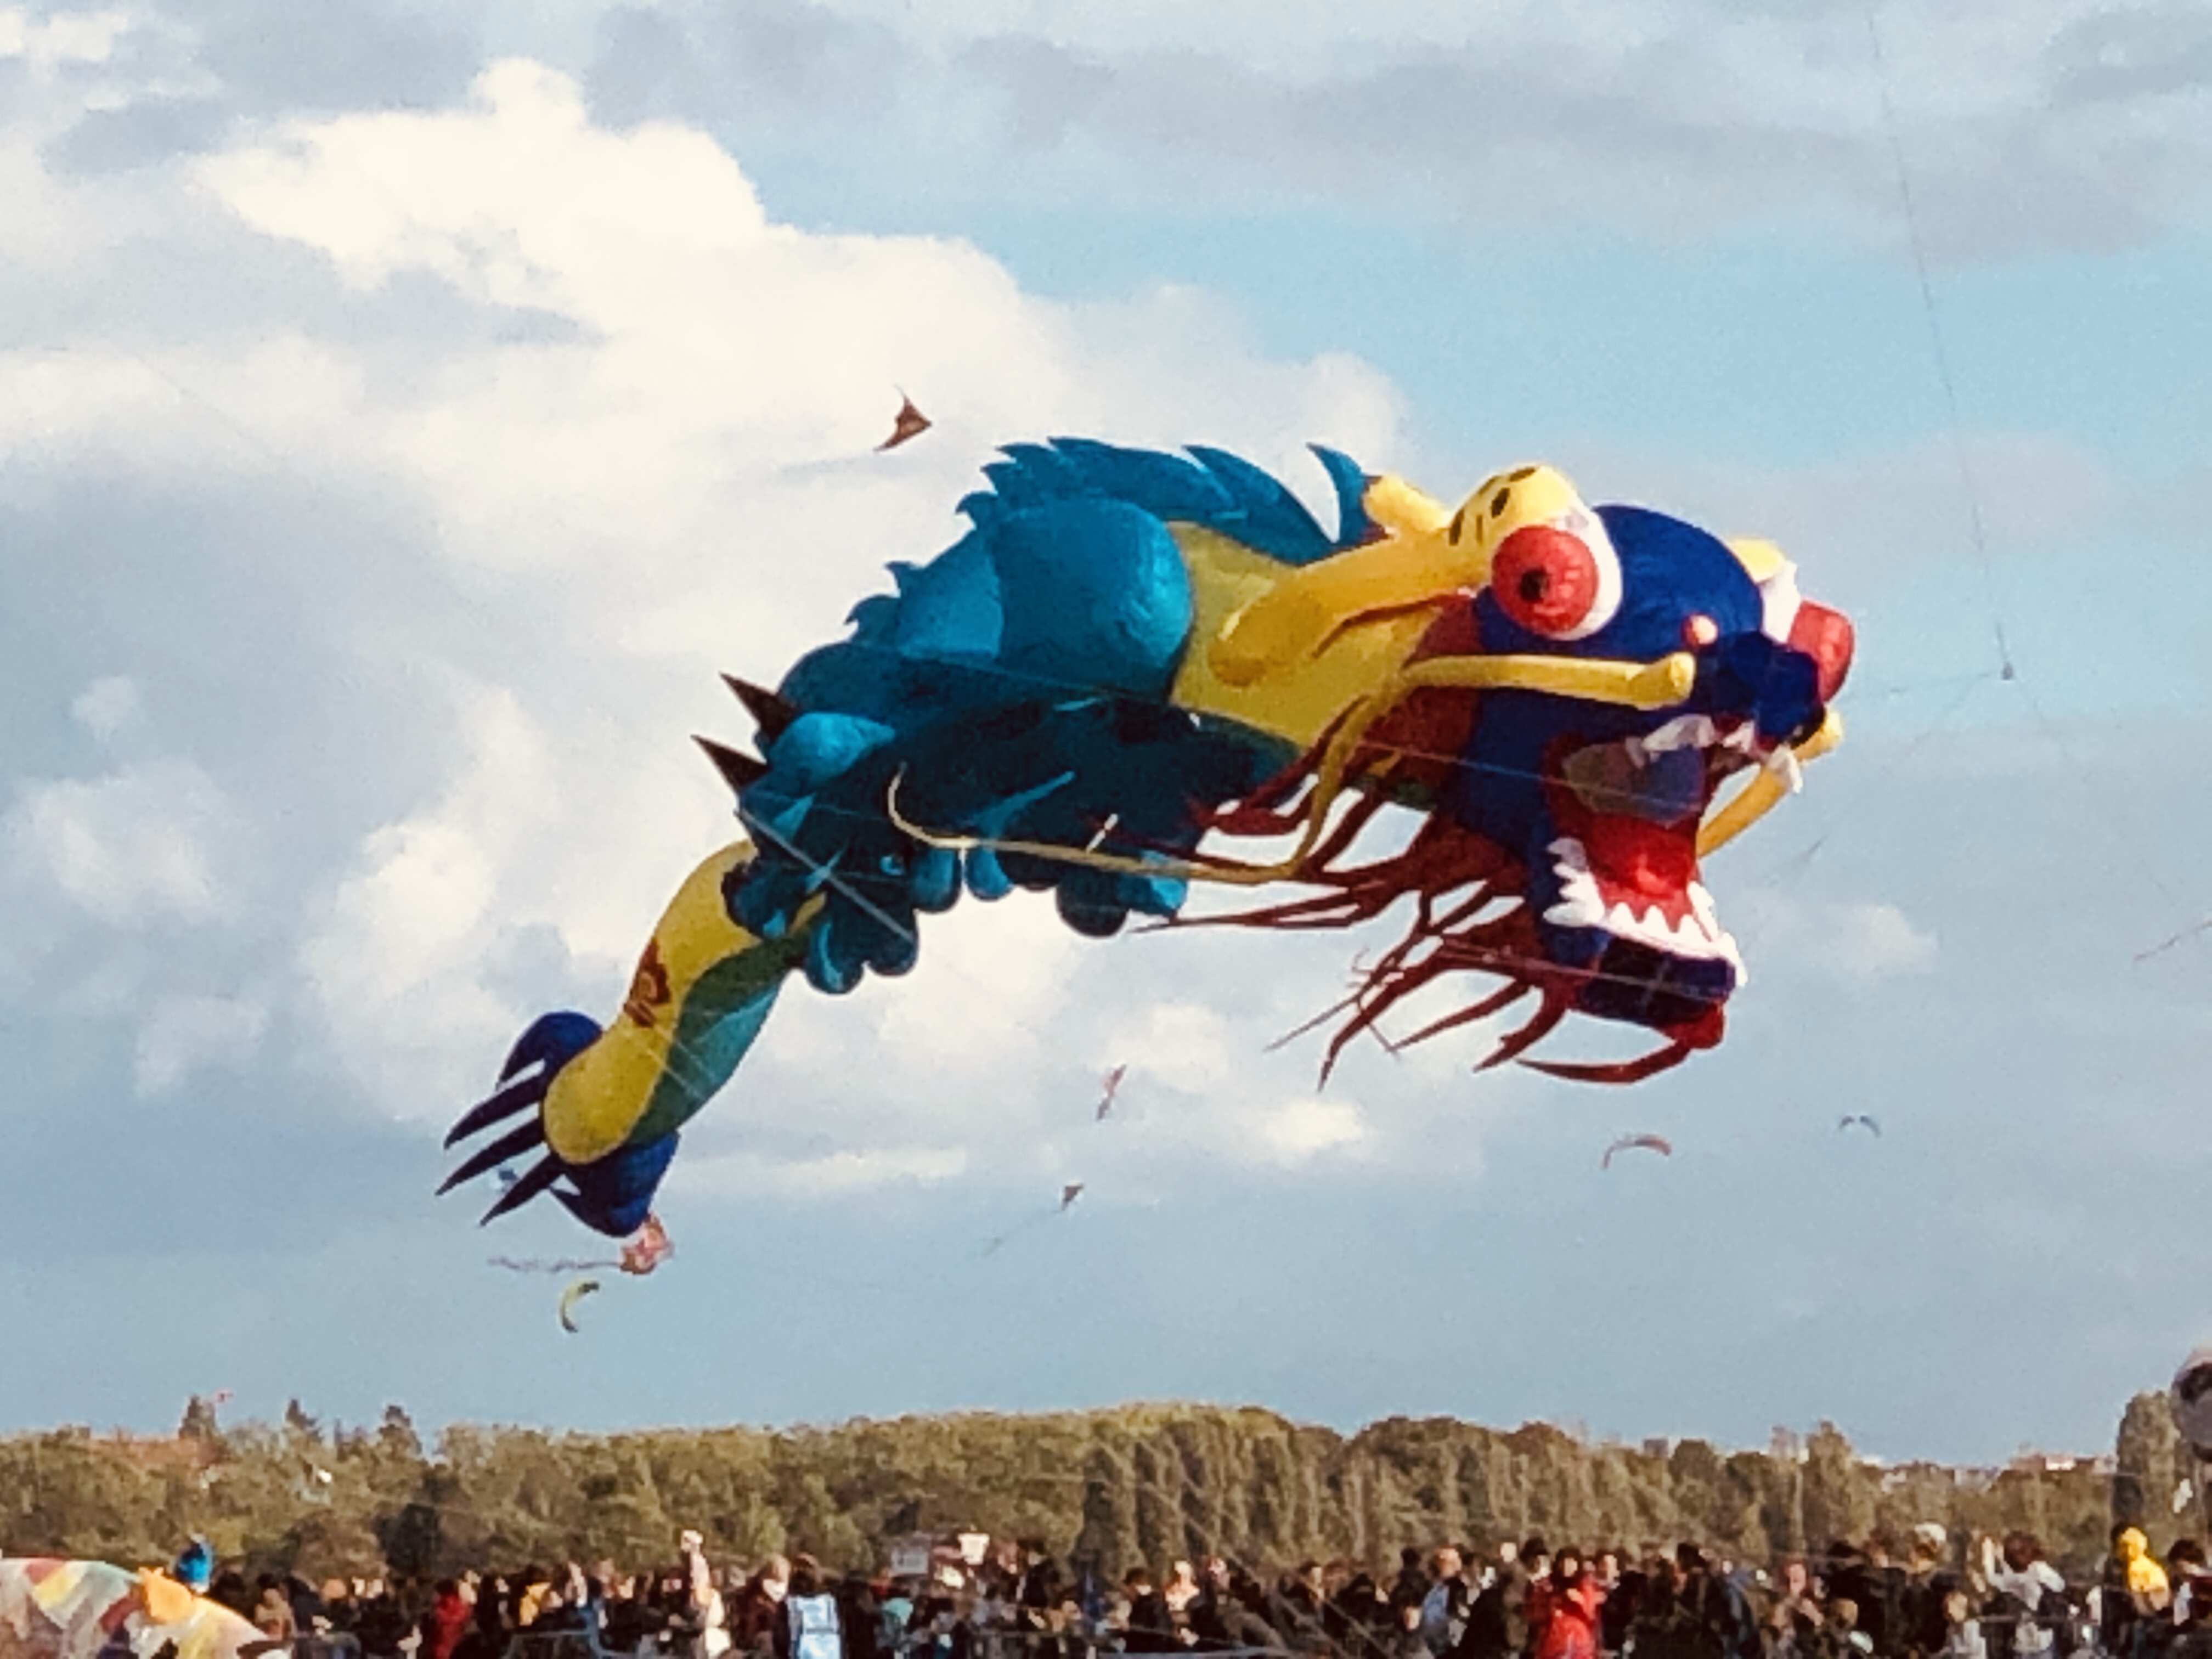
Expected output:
(53, 1609)
(1129, 654)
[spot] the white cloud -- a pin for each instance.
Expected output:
(1858, 942)
(2049, 123)
(184, 1034)
(393, 963)
(1295, 1131)
(105, 705)
(68, 37)
(140, 846)
(1877, 941)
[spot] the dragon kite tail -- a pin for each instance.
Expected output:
(607, 1104)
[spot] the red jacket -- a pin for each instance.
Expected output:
(442, 1630)
(1571, 1628)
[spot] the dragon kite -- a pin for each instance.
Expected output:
(1132, 661)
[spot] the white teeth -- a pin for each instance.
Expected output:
(1579, 904)
(1683, 731)
(1784, 765)
(1744, 739)
(1697, 935)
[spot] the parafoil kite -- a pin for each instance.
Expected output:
(1109, 1086)
(1129, 653)
(1658, 1143)
(567, 1306)
(907, 425)
(51, 1609)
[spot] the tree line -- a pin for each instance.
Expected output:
(1106, 1488)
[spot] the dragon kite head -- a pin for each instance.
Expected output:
(1607, 805)
(1601, 695)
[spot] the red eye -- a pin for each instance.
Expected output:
(1545, 580)
(1824, 635)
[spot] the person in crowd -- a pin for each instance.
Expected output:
(809, 1626)
(1444, 1604)
(378, 1624)
(1179, 1591)
(1605, 1573)
(447, 1622)
(1851, 1642)
(894, 1614)
(1962, 1631)
(1149, 1627)
(272, 1611)
(1570, 1606)
(625, 1623)
(1037, 1591)
(1357, 1618)
(760, 1608)
(1497, 1619)
(1627, 1597)
(487, 1635)
(1295, 1613)
(229, 1589)
(1224, 1615)
(860, 1614)
(195, 1565)
(2191, 1582)
(1923, 1595)
(2027, 1598)
(1411, 1587)
(2136, 1595)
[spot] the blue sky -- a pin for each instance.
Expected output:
(401, 419)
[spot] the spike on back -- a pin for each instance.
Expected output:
(771, 713)
(535, 1180)
(739, 771)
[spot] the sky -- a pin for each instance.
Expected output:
(404, 414)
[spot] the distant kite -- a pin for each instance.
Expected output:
(1068, 1194)
(570, 1297)
(1632, 1143)
(1860, 1118)
(907, 424)
(1111, 1084)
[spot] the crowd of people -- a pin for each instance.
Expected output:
(1995, 1599)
